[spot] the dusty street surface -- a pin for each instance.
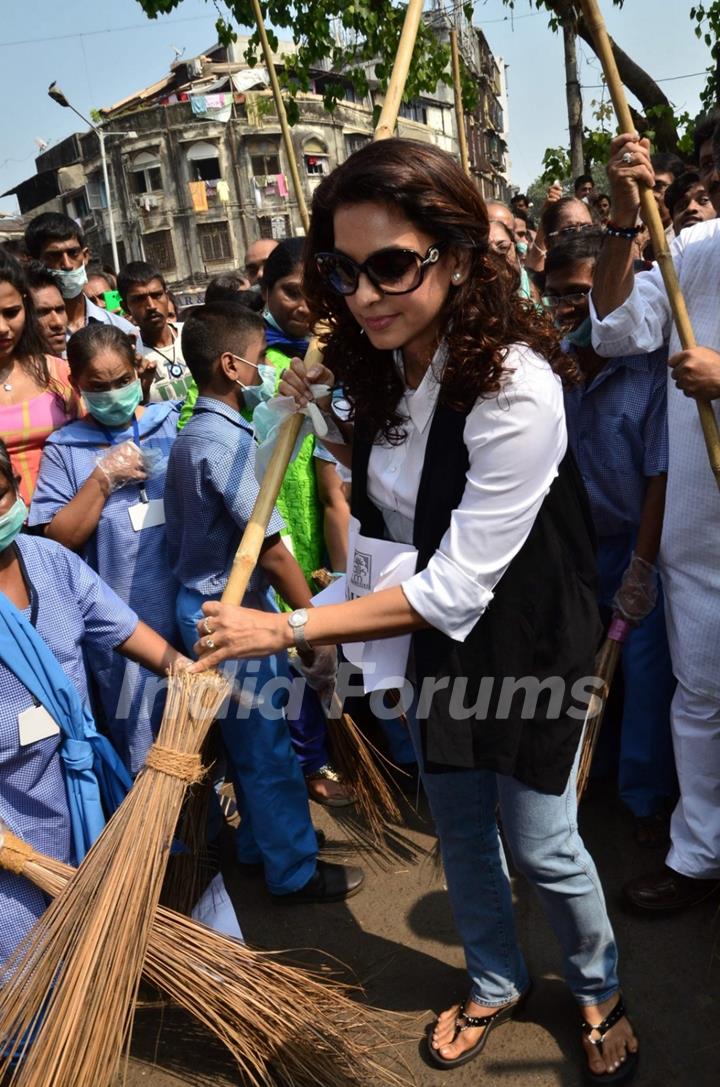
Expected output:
(397, 940)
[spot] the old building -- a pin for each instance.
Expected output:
(198, 169)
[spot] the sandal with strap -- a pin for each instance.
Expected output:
(472, 1022)
(628, 1067)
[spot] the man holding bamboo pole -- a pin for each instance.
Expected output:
(631, 316)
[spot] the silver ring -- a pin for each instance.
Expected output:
(628, 158)
(206, 626)
(209, 643)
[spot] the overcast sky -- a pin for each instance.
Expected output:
(100, 52)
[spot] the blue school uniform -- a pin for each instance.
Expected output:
(617, 429)
(73, 611)
(209, 495)
(134, 564)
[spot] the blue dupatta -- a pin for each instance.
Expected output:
(95, 778)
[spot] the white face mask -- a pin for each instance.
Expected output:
(70, 283)
(264, 390)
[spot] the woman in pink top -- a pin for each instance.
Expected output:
(35, 393)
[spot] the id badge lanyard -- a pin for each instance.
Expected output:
(111, 439)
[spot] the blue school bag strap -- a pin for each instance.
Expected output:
(95, 778)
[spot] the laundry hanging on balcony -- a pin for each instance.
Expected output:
(214, 107)
(198, 195)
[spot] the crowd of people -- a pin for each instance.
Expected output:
(506, 405)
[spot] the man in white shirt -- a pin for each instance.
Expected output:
(632, 315)
(144, 295)
(57, 242)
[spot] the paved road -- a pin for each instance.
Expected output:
(397, 939)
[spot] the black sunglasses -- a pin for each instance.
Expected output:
(392, 271)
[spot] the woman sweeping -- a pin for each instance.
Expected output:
(100, 493)
(458, 451)
(49, 598)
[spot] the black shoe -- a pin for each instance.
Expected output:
(249, 869)
(257, 868)
(330, 883)
(667, 890)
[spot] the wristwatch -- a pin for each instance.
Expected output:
(296, 621)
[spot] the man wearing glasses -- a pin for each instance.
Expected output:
(57, 242)
(617, 429)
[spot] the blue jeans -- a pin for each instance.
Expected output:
(646, 774)
(275, 825)
(542, 834)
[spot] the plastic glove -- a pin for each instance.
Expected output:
(270, 415)
(637, 595)
(123, 464)
(320, 673)
(155, 462)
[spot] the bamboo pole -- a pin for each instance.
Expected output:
(459, 109)
(401, 67)
(282, 117)
(651, 216)
(254, 535)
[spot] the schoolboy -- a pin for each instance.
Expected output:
(209, 496)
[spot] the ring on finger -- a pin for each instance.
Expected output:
(628, 158)
(206, 626)
(209, 643)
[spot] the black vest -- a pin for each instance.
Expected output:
(542, 622)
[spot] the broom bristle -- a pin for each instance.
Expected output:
(73, 983)
(239, 994)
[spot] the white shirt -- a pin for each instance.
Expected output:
(515, 441)
(172, 375)
(690, 548)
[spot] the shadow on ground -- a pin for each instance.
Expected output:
(396, 940)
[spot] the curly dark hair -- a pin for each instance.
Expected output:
(482, 317)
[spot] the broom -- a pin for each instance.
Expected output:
(651, 216)
(374, 801)
(239, 995)
(74, 980)
(351, 753)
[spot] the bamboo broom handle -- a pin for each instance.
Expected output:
(651, 215)
(401, 67)
(282, 117)
(459, 109)
(253, 537)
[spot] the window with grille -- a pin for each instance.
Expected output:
(316, 157)
(77, 207)
(159, 250)
(145, 173)
(355, 140)
(275, 226)
(204, 161)
(95, 189)
(265, 165)
(414, 111)
(214, 241)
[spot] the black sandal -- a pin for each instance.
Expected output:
(628, 1067)
(471, 1022)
